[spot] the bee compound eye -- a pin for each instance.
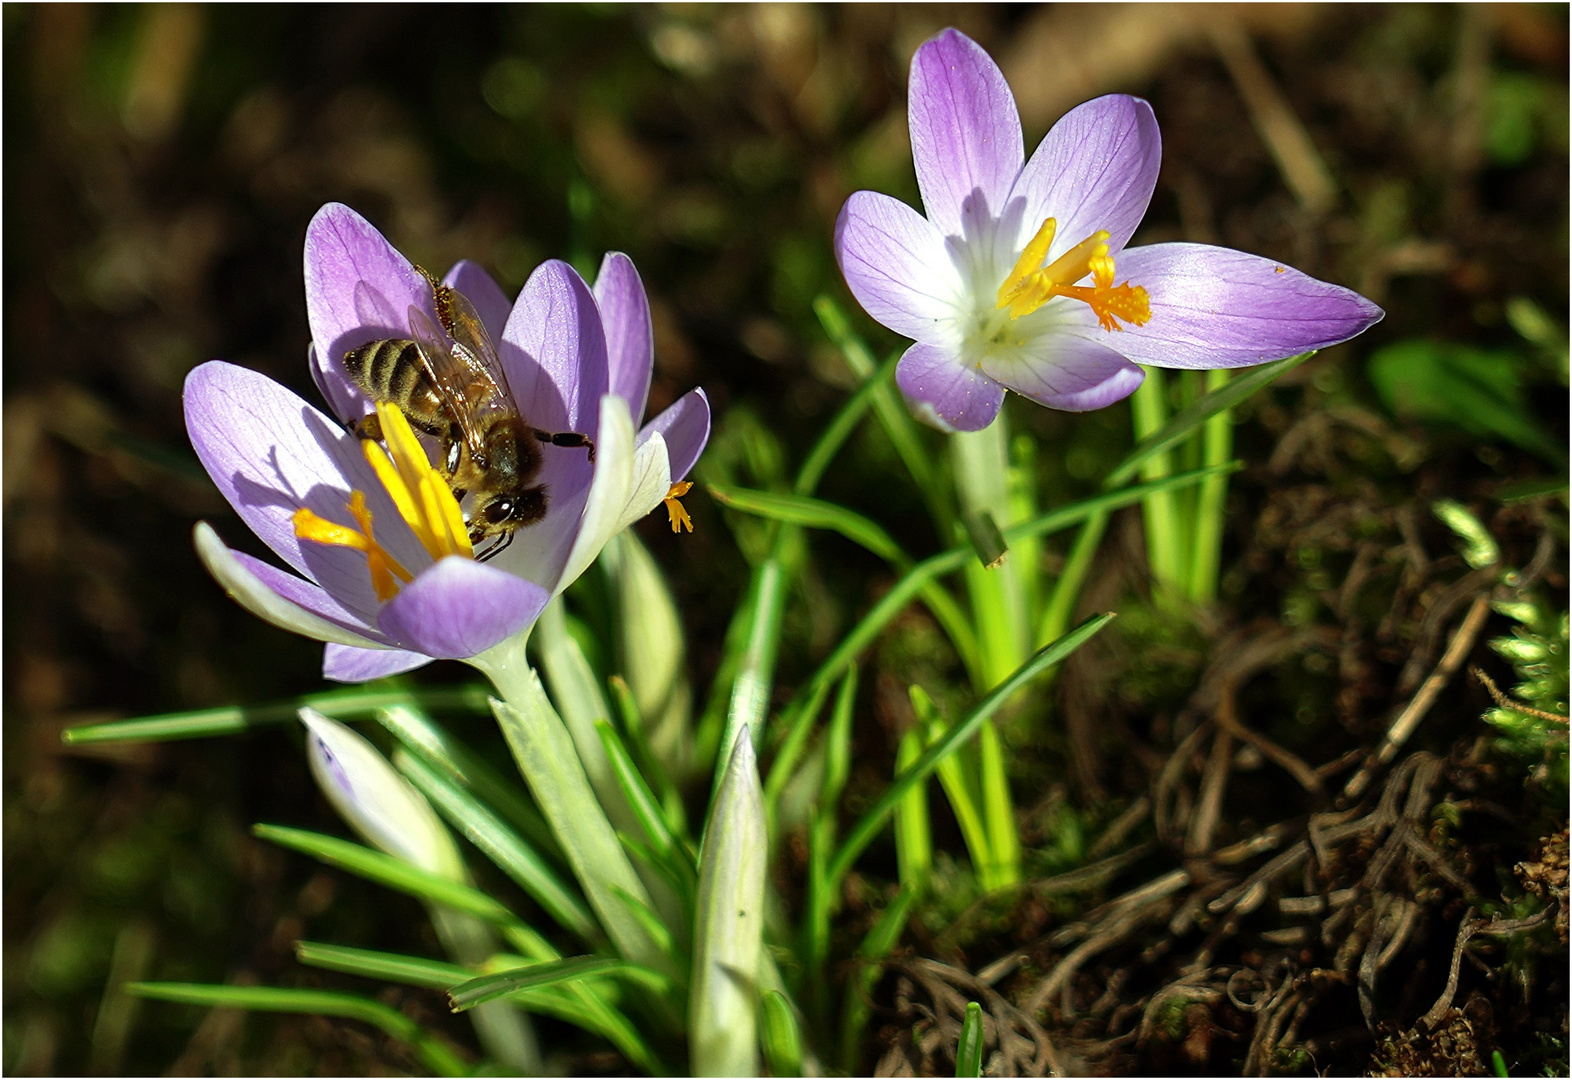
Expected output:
(499, 510)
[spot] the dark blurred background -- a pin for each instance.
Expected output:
(161, 164)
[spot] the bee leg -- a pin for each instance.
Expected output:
(497, 547)
(567, 439)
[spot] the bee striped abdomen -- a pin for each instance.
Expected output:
(393, 370)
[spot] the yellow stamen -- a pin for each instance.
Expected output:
(419, 494)
(675, 510)
(1030, 261)
(383, 566)
(1028, 288)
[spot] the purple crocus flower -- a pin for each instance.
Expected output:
(382, 570)
(993, 284)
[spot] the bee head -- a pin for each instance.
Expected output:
(508, 511)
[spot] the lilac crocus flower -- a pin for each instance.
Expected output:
(382, 570)
(992, 285)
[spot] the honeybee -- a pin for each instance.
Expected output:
(449, 382)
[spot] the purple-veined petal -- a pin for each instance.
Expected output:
(1213, 307)
(946, 392)
(1070, 373)
(358, 287)
(270, 453)
(239, 576)
(898, 267)
(1095, 169)
(630, 338)
(555, 350)
(965, 130)
(685, 427)
(460, 607)
(359, 618)
(348, 402)
(491, 303)
(347, 664)
(608, 495)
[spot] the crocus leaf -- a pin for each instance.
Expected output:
(433, 1052)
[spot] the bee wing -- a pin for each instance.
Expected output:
(462, 385)
(489, 380)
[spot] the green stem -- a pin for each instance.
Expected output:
(1211, 499)
(999, 613)
(1159, 511)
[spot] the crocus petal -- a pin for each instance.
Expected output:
(897, 265)
(348, 402)
(347, 664)
(491, 303)
(270, 453)
(460, 607)
(686, 428)
(358, 287)
(242, 582)
(946, 392)
(630, 339)
(608, 495)
(555, 350)
(1217, 308)
(966, 132)
(1070, 373)
(1095, 169)
(651, 482)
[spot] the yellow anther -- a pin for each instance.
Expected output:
(1027, 288)
(675, 510)
(1030, 261)
(419, 494)
(383, 566)
(418, 491)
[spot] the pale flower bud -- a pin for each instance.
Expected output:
(378, 803)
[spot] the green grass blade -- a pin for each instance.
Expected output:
(1166, 539)
(395, 967)
(663, 842)
(874, 819)
(812, 513)
(959, 789)
(968, 1055)
(432, 1051)
(504, 847)
(913, 838)
(386, 870)
(892, 412)
(478, 991)
(791, 748)
(434, 745)
(779, 1036)
(756, 670)
(352, 704)
(911, 583)
(1188, 419)
(840, 428)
